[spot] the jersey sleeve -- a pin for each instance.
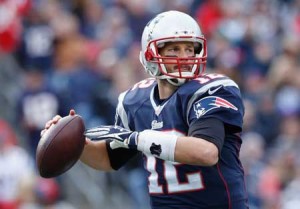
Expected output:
(121, 117)
(120, 156)
(210, 129)
(221, 102)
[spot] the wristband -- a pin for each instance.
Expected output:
(158, 144)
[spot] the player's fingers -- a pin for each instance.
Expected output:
(56, 118)
(48, 124)
(72, 112)
(87, 140)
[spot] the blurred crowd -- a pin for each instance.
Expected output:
(57, 55)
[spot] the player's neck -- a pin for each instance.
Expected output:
(165, 89)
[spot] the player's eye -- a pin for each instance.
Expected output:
(171, 52)
(191, 50)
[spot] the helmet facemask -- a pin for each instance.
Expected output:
(169, 27)
(186, 67)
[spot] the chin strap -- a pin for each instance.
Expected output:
(176, 81)
(173, 81)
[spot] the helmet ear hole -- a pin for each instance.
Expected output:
(149, 55)
(198, 49)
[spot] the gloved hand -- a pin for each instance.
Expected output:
(121, 137)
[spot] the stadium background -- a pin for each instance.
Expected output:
(57, 55)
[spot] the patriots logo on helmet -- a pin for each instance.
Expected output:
(211, 102)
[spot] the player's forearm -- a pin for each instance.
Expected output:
(188, 150)
(195, 151)
(95, 155)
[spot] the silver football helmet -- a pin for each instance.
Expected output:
(172, 26)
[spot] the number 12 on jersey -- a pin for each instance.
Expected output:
(170, 174)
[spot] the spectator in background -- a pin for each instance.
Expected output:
(90, 15)
(209, 14)
(131, 72)
(16, 166)
(10, 23)
(41, 193)
(36, 47)
(252, 155)
(34, 99)
(76, 84)
(290, 194)
(137, 16)
(11, 14)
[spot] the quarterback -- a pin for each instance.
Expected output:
(186, 123)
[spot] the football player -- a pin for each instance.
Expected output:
(186, 123)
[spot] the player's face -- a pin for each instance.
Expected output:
(182, 50)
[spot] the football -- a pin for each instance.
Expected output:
(60, 146)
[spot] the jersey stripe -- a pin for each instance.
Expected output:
(121, 111)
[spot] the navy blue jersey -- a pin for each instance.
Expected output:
(176, 185)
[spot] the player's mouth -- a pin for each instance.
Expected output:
(182, 68)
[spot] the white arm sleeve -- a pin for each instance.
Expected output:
(159, 144)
